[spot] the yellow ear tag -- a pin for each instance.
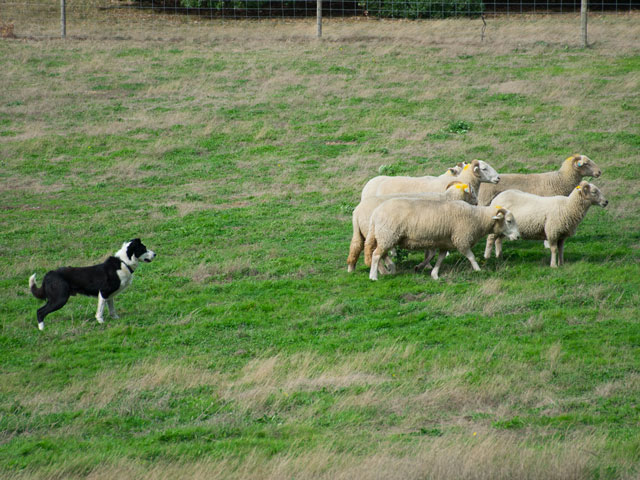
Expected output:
(578, 187)
(498, 207)
(466, 166)
(569, 158)
(460, 186)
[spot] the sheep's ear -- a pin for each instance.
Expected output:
(501, 213)
(476, 166)
(577, 160)
(586, 188)
(452, 170)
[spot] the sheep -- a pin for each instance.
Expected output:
(372, 185)
(427, 224)
(560, 182)
(553, 219)
(362, 214)
(472, 174)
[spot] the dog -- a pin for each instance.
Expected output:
(104, 281)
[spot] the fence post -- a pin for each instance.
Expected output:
(319, 17)
(583, 22)
(63, 18)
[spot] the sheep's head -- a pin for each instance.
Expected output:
(592, 194)
(584, 165)
(483, 171)
(505, 224)
(461, 191)
(455, 170)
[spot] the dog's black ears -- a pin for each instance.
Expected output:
(134, 245)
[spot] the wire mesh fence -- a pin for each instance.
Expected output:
(330, 8)
(42, 16)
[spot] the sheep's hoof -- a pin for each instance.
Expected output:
(350, 268)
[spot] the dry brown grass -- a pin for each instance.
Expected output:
(475, 455)
(263, 387)
(472, 449)
(502, 33)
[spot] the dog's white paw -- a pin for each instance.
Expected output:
(40, 326)
(100, 320)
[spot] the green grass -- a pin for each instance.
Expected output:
(245, 350)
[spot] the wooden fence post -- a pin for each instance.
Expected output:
(583, 22)
(319, 17)
(63, 18)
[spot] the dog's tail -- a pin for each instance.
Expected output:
(38, 292)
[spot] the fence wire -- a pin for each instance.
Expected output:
(39, 17)
(240, 9)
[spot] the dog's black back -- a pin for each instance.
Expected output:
(91, 281)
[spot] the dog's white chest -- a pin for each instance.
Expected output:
(126, 277)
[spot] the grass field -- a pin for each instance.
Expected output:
(237, 152)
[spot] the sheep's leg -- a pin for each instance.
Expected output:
(441, 256)
(373, 272)
(498, 247)
(378, 253)
(469, 254)
(356, 247)
(553, 245)
(490, 241)
(382, 266)
(428, 255)
(561, 251)
(391, 267)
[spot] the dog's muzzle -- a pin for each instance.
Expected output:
(148, 256)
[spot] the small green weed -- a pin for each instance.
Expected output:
(459, 127)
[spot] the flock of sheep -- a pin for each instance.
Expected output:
(467, 202)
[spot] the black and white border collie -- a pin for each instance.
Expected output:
(104, 281)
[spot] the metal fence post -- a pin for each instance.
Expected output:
(63, 18)
(583, 22)
(319, 17)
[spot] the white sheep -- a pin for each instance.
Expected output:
(428, 224)
(372, 185)
(472, 174)
(560, 182)
(552, 219)
(362, 215)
